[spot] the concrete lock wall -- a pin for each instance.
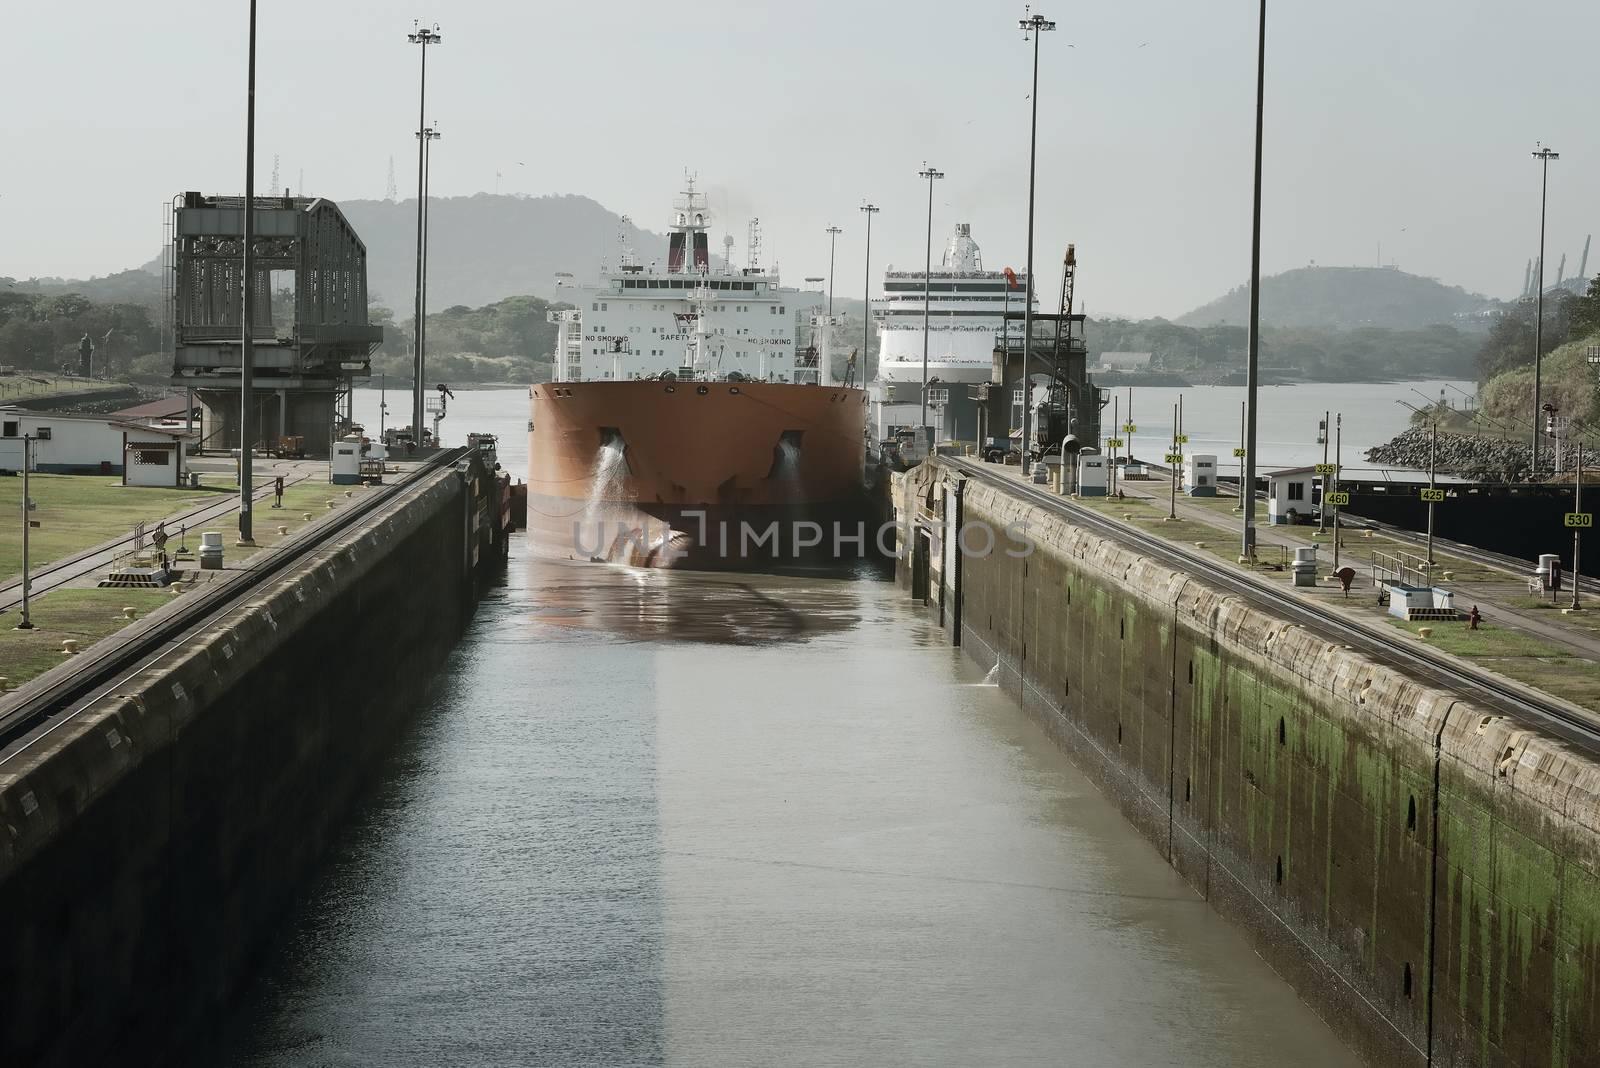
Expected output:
(149, 845)
(1423, 871)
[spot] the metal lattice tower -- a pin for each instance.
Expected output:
(752, 255)
(391, 192)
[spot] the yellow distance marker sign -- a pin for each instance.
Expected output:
(1338, 498)
(1433, 496)
(1580, 520)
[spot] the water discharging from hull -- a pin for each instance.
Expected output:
(786, 468)
(605, 489)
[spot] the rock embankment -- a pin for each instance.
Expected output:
(1485, 459)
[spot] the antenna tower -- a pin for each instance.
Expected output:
(752, 255)
(392, 192)
(277, 186)
(624, 253)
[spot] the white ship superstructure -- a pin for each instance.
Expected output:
(639, 321)
(966, 308)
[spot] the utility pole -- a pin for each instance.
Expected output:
(1544, 156)
(866, 290)
(1035, 25)
(1322, 511)
(1172, 466)
(1577, 532)
(421, 36)
(1247, 546)
(930, 174)
(833, 236)
(1240, 506)
(27, 460)
(1433, 452)
(1338, 458)
(247, 348)
(1111, 485)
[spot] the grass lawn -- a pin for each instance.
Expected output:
(76, 512)
(1588, 619)
(1519, 656)
(311, 496)
(29, 384)
(87, 615)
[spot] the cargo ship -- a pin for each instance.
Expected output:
(684, 425)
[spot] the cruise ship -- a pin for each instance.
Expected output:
(966, 308)
(685, 422)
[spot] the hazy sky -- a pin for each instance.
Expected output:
(1408, 124)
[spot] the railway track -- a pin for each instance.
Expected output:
(41, 580)
(34, 715)
(1566, 722)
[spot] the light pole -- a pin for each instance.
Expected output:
(1544, 156)
(1252, 357)
(27, 457)
(833, 236)
(866, 290)
(1034, 25)
(247, 349)
(423, 36)
(428, 136)
(927, 271)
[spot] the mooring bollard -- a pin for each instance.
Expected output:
(282, 530)
(176, 587)
(69, 646)
(1424, 632)
(332, 504)
(129, 612)
(306, 516)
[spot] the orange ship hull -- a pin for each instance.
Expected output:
(660, 473)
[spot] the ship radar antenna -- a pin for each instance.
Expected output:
(727, 252)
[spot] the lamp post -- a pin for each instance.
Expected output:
(247, 351)
(423, 36)
(833, 236)
(866, 289)
(1034, 25)
(1247, 531)
(930, 174)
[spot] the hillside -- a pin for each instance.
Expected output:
(484, 248)
(1343, 297)
(141, 285)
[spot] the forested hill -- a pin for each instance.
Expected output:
(484, 248)
(1343, 297)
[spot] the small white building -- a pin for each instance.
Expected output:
(66, 443)
(153, 456)
(1200, 475)
(1126, 361)
(1290, 494)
